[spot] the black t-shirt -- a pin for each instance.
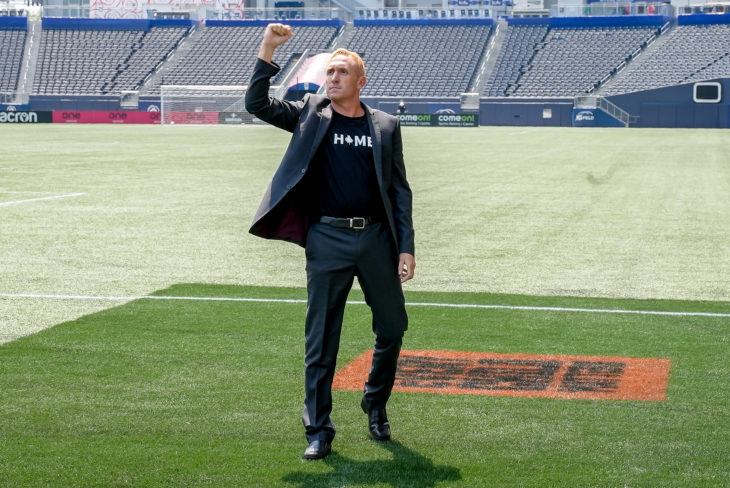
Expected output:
(342, 175)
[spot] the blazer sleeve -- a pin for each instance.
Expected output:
(401, 197)
(280, 113)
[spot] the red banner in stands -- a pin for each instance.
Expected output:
(106, 117)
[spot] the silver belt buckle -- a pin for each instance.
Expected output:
(360, 223)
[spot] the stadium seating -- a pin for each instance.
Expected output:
(688, 53)
(404, 58)
(542, 61)
(12, 40)
(88, 61)
(518, 49)
(81, 62)
(152, 50)
(225, 53)
(420, 60)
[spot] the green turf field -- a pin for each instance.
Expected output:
(143, 392)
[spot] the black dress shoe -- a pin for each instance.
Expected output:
(317, 450)
(377, 422)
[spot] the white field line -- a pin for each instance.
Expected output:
(52, 197)
(27, 192)
(356, 302)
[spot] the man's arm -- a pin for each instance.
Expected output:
(274, 36)
(279, 113)
(402, 198)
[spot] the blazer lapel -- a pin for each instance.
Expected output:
(324, 122)
(377, 145)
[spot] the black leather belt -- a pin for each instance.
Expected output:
(348, 223)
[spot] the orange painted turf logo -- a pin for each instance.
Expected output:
(472, 373)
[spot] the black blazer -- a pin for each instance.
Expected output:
(280, 214)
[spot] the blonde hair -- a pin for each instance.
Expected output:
(360, 65)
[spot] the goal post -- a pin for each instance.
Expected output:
(203, 104)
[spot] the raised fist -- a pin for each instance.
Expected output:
(277, 34)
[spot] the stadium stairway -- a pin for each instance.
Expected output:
(491, 55)
(29, 62)
(343, 38)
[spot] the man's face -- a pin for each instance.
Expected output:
(343, 81)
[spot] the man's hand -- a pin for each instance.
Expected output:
(274, 36)
(406, 265)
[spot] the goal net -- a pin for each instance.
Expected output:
(201, 104)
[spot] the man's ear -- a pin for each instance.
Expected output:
(361, 82)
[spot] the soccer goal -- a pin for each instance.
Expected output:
(202, 104)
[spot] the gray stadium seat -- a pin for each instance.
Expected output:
(542, 61)
(100, 62)
(225, 55)
(419, 60)
(688, 53)
(12, 43)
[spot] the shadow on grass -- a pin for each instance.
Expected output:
(408, 468)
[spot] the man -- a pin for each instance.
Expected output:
(340, 192)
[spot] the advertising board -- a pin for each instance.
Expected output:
(105, 117)
(439, 120)
(24, 117)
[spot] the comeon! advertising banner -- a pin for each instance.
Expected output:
(439, 120)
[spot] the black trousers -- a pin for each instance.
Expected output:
(334, 257)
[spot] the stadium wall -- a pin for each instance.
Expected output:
(547, 112)
(74, 103)
(672, 106)
(605, 21)
(264, 23)
(675, 107)
(10, 22)
(113, 24)
(390, 22)
(703, 19)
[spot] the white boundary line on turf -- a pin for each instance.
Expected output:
(357, 302)
(52, 197)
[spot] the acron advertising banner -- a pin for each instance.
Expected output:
(25, 117)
